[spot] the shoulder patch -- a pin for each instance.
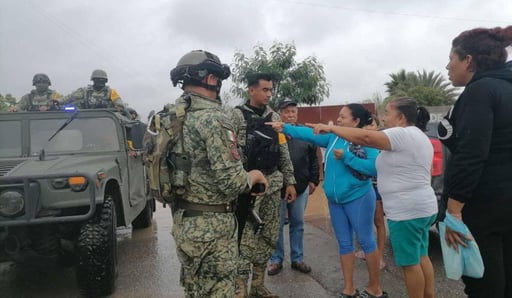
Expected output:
(56, 95)
(114, 95)
(230, 137)
(282, 138)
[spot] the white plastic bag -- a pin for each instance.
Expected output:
(468, 261)
(453, 261)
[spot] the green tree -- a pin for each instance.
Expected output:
(6, 101)
(428, 88)
(303, 81)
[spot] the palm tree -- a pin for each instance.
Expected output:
(428, 88)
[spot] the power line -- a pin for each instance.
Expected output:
(413, 15)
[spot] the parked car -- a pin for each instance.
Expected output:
(67, 180)
(437, 164)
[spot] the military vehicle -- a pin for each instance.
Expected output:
(67, 180)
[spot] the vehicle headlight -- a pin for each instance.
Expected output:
(78, 183)
(11, 203)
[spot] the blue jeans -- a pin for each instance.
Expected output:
(296, 225)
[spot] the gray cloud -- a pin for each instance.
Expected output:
(137, 43)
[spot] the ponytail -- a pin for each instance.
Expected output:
(422, 118)
(361, 113)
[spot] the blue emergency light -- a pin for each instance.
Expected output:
(69, 108)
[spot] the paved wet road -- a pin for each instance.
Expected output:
(148, 267)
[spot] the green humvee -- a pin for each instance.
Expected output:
(67, 180)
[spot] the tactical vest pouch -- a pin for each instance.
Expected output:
(262, 149)
(165, 162)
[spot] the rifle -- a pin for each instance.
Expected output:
(245, 211)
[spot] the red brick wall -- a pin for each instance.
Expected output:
(324, 114)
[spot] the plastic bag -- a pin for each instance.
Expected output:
(467, 261)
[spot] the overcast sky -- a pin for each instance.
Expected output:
(138, 42)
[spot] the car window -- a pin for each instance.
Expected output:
(10, 138)
(432, 129)
(81, 135)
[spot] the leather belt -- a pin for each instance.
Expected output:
(196, 207)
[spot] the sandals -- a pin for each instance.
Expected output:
(274, 268)
(301, 266)
(343, 295)
(365, 294)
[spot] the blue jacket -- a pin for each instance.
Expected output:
(340, 185)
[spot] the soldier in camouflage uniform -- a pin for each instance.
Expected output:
(42, 98)
(96, 96)
(205, 228)
(256, 250)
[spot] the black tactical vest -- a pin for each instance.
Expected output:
(261, 148)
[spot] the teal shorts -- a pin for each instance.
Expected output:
(409, 239)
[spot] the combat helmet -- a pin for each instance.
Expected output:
(99, 74)
(195, 66)
(41, 78)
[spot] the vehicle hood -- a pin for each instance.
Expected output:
(56, 165)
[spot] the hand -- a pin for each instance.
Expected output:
(454, 208)
(43, 108)
(12, 109)
(258, 177)
(290, 194)
(319, 127)
(312, 188)
(455, 238)
(338, 153)
(276, 125)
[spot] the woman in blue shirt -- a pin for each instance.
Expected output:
(351, 198)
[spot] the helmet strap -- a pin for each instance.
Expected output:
(199, 83)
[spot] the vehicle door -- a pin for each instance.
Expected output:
(136, 170)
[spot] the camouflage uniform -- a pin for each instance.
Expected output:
(257, 249)
(88, 98)
(206, 243)
(34, 100)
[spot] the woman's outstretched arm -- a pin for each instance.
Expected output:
(363, 137)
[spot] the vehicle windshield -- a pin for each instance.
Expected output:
(10, 134)
(81, 135)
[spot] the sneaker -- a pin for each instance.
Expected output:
(274, 268)
(301, 266)
(365, 294)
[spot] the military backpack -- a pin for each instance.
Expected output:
(167, 164)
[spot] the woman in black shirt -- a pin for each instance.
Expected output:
(478, 133)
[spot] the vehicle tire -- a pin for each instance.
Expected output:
(145, 217)
(96, 249)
